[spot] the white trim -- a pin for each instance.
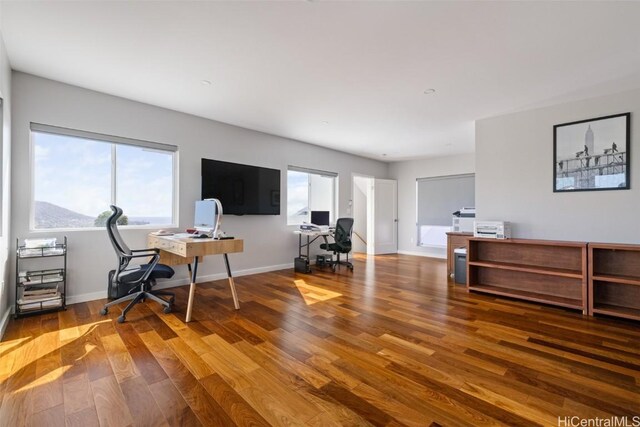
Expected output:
(114, 176)
(435, 178)
(74, 299)
(312, 171)
(424, 254)
(101, 229)
(4, 322)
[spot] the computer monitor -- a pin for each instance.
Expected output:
(320, 217)
(207, 217)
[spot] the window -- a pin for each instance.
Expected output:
(438, 199)
(77, 175)
(309, 190)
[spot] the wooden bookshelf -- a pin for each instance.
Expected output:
(614, 280)
(545, 271)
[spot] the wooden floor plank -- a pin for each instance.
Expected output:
(142, 406)
(392, 343)
(84, 418)
(173, 406)
(110, 404)
(77, 394)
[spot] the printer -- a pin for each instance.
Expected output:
(492, 229)
(463, 220)
(314, 228)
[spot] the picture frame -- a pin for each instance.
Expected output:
(592, 154)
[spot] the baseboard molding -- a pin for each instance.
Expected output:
(92, 296)
(4, 322)
(75, 299)
(424, 254)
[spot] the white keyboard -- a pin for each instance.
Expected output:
(182, 235)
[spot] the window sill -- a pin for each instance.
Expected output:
(120, 227)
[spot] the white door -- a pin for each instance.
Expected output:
(385, 217)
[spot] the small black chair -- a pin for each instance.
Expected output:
(138, 278)
(342, 242)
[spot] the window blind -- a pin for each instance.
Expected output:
(439, 197)
(56, 130)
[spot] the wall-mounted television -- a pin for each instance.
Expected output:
(242, 189)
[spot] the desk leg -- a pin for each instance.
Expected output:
(192, 288)
(232, 285)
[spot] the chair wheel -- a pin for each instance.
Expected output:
(167, 310)
(104, 311)
(121, 319)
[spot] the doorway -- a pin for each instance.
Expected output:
(362, 205)
(374, 205)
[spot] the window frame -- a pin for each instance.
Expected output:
(334, 200)
(113, 141)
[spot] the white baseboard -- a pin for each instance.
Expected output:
(4, 322)
(74, 299)
(91, 296)
(424, 254)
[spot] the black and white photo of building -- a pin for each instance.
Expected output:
(592, 154)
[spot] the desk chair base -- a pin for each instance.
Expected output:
(140, 296)
(337, 262)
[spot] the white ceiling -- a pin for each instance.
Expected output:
(287, 67)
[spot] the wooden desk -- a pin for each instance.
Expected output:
(187, 250)
(455, 240)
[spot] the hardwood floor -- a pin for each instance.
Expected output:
(391, 344)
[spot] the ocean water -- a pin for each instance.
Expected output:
(149, 220)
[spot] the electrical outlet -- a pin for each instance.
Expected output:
(412, 240)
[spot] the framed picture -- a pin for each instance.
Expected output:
(592, 154)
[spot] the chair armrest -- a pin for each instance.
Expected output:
(145, 255)
(154, 261)
(146, 250)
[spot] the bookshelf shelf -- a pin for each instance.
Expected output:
(614, 280)
(544, 271)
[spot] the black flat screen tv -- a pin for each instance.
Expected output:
(242, 189)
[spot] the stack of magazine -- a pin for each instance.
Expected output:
(40, 290)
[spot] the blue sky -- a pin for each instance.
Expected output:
(297, 191)
(75, 173)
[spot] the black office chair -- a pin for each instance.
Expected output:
(138, 278)
(342, 242)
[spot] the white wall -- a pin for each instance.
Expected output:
(406, 173)
(269, 241)
(514, 176)
(5, 188)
